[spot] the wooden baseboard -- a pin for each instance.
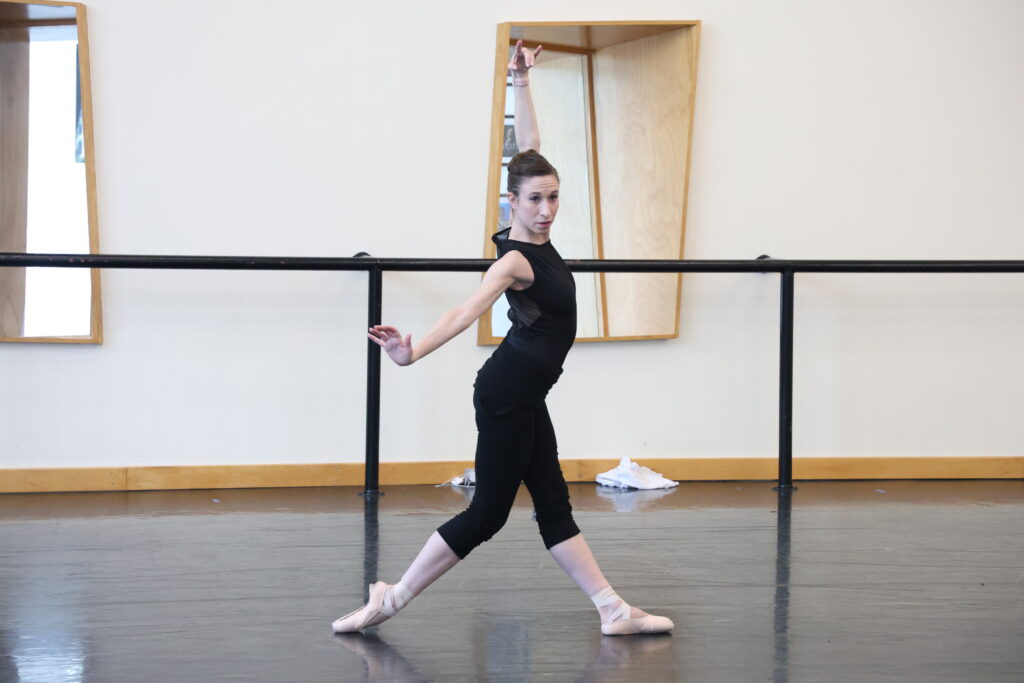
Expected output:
(394, 473)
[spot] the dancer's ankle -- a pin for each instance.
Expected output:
(398, 596)
(608, 603)
(612, 607)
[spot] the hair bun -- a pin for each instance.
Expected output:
(527, 164)
(523, 155)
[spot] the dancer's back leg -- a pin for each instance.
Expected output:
(504, 444)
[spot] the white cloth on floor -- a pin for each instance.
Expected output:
(630, 475)
(467, 478)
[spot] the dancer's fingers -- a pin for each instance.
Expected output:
(379, 335)
(517, 56)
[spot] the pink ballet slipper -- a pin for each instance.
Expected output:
(619, 623)
(382, 605)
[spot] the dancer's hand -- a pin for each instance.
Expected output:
(523, 59)
(390, 339)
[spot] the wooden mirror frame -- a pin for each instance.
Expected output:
(587, 38)
(95, 335)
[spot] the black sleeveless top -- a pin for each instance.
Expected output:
(529, 360)
(544, 314)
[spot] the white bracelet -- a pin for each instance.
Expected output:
(520, 82)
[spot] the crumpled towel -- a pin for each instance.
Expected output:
(629, 475)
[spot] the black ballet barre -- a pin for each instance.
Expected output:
(375, 267)
(367, 262)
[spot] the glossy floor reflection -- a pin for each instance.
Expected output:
(837, 581)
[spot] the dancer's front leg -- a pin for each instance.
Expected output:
(386, 600)
(617, 616)
(434, 559)
(574, 557)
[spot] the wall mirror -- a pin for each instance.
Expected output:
(47, 173)
(614, 104)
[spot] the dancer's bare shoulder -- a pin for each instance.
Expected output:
(510, 271)
(519, 268)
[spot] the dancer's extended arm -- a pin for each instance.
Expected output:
(527, 132)
(509, 269)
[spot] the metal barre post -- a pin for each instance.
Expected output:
(786, 385)
(372, 484)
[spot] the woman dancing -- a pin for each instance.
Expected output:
(516, 442)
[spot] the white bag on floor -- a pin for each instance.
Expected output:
(630, 475)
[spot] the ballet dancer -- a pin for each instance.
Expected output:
(516, 441)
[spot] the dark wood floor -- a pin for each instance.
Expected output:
(839, 581)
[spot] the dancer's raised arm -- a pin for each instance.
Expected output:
(503, 273)
(527, 133)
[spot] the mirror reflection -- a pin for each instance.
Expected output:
(614, 105)
(46, 197)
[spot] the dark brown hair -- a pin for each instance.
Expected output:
(528, 164)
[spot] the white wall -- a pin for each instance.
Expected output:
(824, 129)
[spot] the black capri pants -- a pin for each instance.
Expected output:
(515, 443)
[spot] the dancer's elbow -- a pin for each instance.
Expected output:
(463, 317)
(532, 142)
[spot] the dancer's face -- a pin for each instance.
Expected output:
(536, 205)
